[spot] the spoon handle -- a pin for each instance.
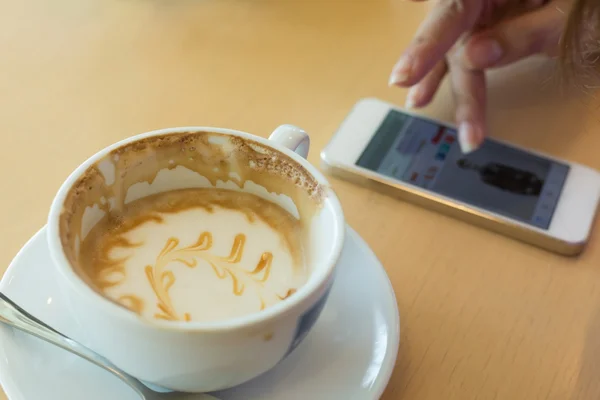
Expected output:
(13, 315)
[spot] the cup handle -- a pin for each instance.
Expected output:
(293, 138)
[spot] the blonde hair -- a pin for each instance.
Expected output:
(580, 44)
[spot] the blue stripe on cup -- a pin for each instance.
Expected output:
(307, 321)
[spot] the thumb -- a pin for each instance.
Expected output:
(510, 40)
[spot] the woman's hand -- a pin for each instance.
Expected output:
(463, 38)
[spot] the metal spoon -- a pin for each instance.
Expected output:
(13, 315)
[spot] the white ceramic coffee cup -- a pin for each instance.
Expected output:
(195, 356)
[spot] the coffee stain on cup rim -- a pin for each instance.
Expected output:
(214, 156)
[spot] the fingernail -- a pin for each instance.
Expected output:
(401, 71)
(412, 97)
(469, 137)
(484, 53)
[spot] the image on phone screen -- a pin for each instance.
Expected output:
(496, 177)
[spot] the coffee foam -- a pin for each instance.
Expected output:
(206, 159)
(215, 254)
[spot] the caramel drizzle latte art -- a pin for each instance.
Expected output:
(107, 272)
(162, 280)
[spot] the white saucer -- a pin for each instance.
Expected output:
(349, 355)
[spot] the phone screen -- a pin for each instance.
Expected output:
(496, 177)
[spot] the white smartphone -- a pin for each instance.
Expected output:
(530, 196)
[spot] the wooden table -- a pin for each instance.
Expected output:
(483, 317)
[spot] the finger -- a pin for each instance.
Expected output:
(537, 31)
(533, 4)
(468, 87)
(421, 94)
(442, 27)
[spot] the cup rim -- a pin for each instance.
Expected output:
(316, 280)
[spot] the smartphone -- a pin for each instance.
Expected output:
(529, 196)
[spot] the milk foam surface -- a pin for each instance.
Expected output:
(201, 262)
